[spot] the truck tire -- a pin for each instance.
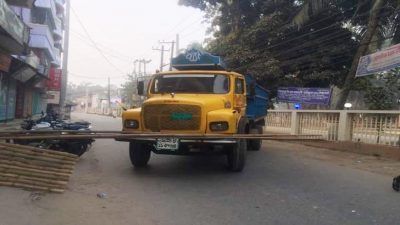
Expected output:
(139, 153)
(255, 145)
(236, 154)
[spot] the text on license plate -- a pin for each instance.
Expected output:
(167, 144)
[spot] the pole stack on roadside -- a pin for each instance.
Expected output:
(34, 168)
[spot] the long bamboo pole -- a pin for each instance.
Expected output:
(30, 132)
(44, 172)
(30, 182)
(37, 162)
(30, 166)
(44, 180)
(40, 158)
(32, 174)
(40, 150)
(34, 187)
(36, 153)
(160, 135)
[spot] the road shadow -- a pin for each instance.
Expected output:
(182, 167)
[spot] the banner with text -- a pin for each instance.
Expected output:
(54, 82)
(380, 61)
(315, 96)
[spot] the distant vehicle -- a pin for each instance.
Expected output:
(200, 97)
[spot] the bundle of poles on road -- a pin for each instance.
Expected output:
(60, 134)
(34, 168)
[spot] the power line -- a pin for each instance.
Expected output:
(189, 25)
(312, 32)
(94, 43)
(92, 77)
(290, 40)
(88, 43)
(108, 48)
(181, 21)
(294, 60)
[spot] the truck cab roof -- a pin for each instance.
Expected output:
(177, 72)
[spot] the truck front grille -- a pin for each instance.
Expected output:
(172, 117)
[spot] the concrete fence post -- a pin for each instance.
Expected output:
(295, 123)
(344, 130)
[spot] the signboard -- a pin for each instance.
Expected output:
(54, 82)
(5, 62)
(53, 97)
(315, 96)
(380, 61)
(197, 59)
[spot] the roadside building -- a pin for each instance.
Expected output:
(14, 36)
(34, 73)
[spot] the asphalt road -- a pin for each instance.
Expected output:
(280, 185)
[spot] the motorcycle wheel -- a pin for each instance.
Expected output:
(76, 149)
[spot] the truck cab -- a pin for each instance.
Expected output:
(195, 99)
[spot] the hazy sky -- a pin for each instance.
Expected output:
(126, 30)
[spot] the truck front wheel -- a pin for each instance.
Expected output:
(139, 153)
(237, 156)
(255, 144)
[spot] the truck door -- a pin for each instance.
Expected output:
(239, 95)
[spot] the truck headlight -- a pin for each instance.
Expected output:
(219, 126)
(134, 124)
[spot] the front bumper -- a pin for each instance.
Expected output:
(186, 141)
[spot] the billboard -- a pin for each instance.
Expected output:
(54, 82)
(314, 96)
(380, 61)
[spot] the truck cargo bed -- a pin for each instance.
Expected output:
(257, 100)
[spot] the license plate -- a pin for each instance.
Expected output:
(171, 144)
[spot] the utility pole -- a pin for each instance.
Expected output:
(140, 68)
(144, 61)
(172, 43)
(64, 78)
(86, 99)
(177, 44)
(162, 58)
(162, 50)
(109, 96)
(134, 67)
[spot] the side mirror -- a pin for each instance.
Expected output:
(140, 87)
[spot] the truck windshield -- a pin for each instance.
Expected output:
(191, 83)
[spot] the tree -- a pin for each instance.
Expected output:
(268, 46)
(368, 21)
(307, 43)
(362, 50)
(128, 89)
(384, 95)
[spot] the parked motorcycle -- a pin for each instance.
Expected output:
(51, 122)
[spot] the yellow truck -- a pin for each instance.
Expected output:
(199, 97)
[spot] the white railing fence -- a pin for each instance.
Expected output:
(373, 127)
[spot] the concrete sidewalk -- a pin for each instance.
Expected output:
(11, 125)
(15, 124)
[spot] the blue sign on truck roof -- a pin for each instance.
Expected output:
(194, 59)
